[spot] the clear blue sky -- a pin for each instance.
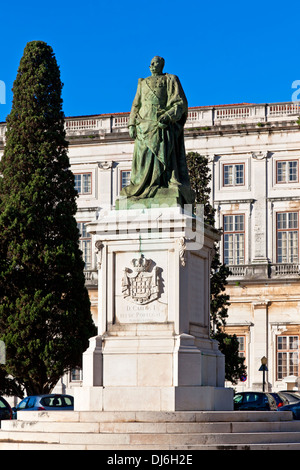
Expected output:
(223, 52)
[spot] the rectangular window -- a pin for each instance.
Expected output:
(76, 375)
(287, 171)
(125, 178)
(242, 346)
(233, 175)
(234, 239)
(287, 237)
(85, 244)
(287, 356)
(83, 183)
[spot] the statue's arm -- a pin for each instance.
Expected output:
(177, 102)
(134, 111)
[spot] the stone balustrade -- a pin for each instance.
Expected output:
(91, 277)
(198, 117)
(238, 272)
(264, 271)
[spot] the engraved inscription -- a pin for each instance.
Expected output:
(143, 313)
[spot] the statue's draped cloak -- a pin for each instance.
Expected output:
(159, 159)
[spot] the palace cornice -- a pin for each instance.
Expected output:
(190, 133)
(242, 282)
(242, 129)
(235, 201)
(114, 138)
(283, 198)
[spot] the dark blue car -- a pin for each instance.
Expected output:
(256, 401)
(5, 409)
(294, 408)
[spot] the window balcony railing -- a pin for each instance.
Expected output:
(264, 271)
(91, 277)
(237, 270)
(285, 269)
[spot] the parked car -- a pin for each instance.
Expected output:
(291, 397)
(45, 403)
(255, 401)
(280, 399)
(5, 409)
(293, 407)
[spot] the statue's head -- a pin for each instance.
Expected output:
(157, 65)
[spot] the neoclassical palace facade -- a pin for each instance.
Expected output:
(253, 152)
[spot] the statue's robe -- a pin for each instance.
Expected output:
(159, 159)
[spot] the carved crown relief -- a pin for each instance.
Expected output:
(139, 284)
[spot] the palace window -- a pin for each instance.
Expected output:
(85, 244)
(234, 239)
(234, 175)
(125, 178)
(287, 356)
(287, 171)
(242, 346)
(287, 237)
(76, 375)
(83, 183)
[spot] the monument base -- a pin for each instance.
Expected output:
(173, 196)
(153, 399)
(153, 351)
(151, 369)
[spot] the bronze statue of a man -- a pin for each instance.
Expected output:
(158, 114)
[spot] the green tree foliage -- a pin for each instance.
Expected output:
(45, 318)
(200, 178)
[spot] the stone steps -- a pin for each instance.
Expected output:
(154, 431)
(150, 428)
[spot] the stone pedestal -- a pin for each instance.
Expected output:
(153, 350)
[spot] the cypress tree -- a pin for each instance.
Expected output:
(45, 318)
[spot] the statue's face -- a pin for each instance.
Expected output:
(156, 65)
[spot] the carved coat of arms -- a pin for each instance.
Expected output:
(141, 285)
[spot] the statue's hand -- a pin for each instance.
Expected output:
(164, 119)
(132, 132)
